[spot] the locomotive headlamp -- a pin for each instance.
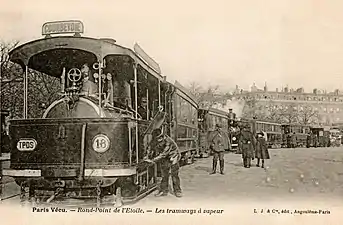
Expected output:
(101, 143)
(234, 138)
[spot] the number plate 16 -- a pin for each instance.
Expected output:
(101, 143)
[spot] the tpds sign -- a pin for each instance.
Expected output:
(63, 27)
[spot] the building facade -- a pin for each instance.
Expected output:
(328, 106)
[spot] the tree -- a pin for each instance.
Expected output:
(253, 109)
(289, 113)
(41, 88)
(206, 97)
(11, 90)
(307, 115)
(274, 112)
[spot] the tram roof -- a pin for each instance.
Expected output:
(218, 111)
(186, 92)
(99, 47)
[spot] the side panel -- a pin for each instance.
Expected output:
(186, 126)
(59, 143)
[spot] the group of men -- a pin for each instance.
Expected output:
(250, 146)
(167, 152)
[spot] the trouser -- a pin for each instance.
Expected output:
(258, 162)
(220, 156)
(167, 166)
(247, 162)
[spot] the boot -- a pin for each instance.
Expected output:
(245, 162)
(262, 163)
(258, 163)
(249, 162)
(221, 167)
(214, 169)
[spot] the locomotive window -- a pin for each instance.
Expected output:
(181, 144)
(181, 132)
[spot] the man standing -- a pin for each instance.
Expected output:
(247, 144)
(169, 155)
(217, 147)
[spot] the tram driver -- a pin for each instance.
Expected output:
(169, 155)
(89, 88)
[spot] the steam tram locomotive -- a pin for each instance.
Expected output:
(91, 142)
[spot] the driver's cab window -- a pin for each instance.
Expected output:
(89, 86)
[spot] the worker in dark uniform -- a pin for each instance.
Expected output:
(261, 149)
(247, 144)
(168, 153)
(217, 147)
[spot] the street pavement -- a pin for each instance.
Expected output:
(315, 173)
(290, 174)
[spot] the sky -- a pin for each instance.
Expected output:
(217, 42)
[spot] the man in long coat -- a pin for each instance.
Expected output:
(247, 145)
(218, 149)
(261, 149)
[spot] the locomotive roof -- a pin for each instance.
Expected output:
(99, 47)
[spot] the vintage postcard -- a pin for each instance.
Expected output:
(171, 112)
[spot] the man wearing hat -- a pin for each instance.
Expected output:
(261, 149)
(217, 147)
(247, 144)
(166, 151)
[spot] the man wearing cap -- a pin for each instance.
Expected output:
(168, 153)
(217, 147)
(261, 149)
(247, 144)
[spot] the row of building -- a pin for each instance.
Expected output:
(328, 106)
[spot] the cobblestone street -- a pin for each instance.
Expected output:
(298, 174)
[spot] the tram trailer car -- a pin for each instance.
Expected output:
(318, 137)
(208, 118)
(92, 141)
(182, 121)
(272, 133)
(294, 135)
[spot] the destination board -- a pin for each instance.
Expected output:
(62, 27)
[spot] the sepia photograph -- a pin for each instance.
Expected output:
(153, 112)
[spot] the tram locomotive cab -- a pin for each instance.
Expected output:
(90, 143)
